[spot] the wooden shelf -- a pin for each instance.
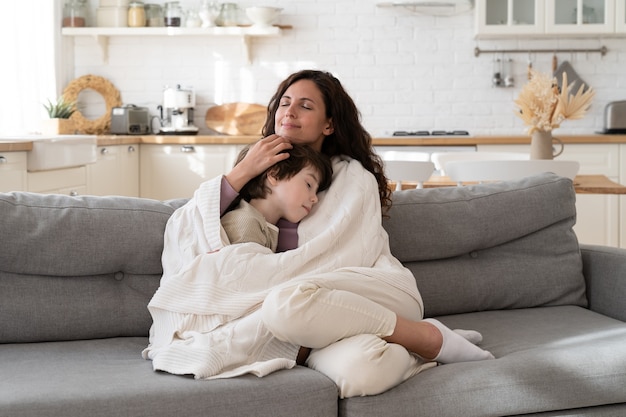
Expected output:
(102, 34)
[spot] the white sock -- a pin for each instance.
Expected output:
(456, 348)
(470, 335)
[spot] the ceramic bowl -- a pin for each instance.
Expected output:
(262, 16)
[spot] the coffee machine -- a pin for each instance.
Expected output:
(178, 104)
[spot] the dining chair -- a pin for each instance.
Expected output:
(399, 171)
(442, 158)
(501, 170)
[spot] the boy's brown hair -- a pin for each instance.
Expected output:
(300, 156)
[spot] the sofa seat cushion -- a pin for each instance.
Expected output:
(107, 377)
(550, 358)
(513, 239)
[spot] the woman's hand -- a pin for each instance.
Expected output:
(262, 155)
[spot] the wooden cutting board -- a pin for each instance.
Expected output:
(236, 118)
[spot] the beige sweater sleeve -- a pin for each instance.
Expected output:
(247, 224)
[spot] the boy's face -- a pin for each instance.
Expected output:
(294, 197)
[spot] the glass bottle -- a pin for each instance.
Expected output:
(136, 14)
(229, 15)
(154, 15)
(173, 14)
(74, 13)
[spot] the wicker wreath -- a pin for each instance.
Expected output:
(108, 91)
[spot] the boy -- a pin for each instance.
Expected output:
(286, 190)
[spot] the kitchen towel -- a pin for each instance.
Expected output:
(572, 77)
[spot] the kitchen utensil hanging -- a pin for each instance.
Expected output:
(502, 72)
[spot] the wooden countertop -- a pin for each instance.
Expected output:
(6, 145)
(583, 184)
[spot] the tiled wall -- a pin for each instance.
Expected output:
(405, 71)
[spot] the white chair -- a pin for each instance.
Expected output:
(501, 170)
(399, 171)
(397, 155)
(442, 158)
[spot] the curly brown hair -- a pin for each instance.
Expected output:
(349, 137)
(300, 156)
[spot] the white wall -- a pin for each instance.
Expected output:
(405, 71)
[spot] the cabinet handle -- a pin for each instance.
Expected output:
(131, 148)
(73, 193)
(104, 151)
(3, 160)
(187, 149)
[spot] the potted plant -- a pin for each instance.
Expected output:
(59, 121)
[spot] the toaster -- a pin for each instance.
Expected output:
(130, 120)
(615, 117)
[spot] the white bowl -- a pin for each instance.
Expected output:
(262, 16)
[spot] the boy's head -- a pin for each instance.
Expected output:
(300, 156)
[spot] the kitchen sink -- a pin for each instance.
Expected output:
(59, 151)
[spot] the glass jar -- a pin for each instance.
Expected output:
(154, 15)
(229, 16)
(74, 13)
(136, 14)
(173, 14)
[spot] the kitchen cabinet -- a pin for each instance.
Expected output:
(176, 171)
(580, 17)
(509, 17)
(102, 34)
(116, 172)
(12, 171)
(598, 219)
(620, 16)
(514, 18)
(68, 181)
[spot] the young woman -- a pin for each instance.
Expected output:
(312, 107)
(338, 299)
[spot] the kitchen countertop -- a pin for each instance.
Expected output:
(6, 145)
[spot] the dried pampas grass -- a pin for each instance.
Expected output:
(543, 107)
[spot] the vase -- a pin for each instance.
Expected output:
(541, 145)
(57, 127)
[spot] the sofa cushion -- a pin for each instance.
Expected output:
(490, 246)
(550, 358)
(78, 267)
(104, 378)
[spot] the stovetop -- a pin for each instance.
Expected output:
(431, 133)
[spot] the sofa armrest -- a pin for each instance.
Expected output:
(604, 269)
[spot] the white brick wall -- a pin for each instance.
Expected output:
(405, 71)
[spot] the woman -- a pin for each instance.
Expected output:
(352, 305)
(311, 107)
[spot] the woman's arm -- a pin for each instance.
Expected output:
(262, 155)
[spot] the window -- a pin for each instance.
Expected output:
(30, 34)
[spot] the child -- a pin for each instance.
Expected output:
(286, 190)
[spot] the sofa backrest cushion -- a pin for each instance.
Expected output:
(78, 267)
(490, 246)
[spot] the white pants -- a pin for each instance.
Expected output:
(343, 317)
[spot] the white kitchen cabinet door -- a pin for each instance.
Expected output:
(116, 171)
(176, 171)
(509, 17)
(620, 16)
(12, 171)
(597, 219)
(580, 16)
(68, 181)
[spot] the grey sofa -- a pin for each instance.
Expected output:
(76, 274)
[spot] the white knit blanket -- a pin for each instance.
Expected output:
(206, 319)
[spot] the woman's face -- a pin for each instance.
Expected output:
(301, 115)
